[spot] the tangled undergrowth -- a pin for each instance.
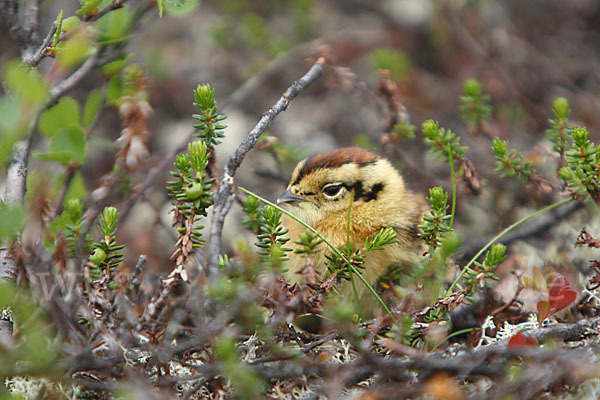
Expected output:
(80, 320)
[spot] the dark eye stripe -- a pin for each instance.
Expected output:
(367, 195)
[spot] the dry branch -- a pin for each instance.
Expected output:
(16, 175)
(236, 98)
(224, 196)
(35, 58)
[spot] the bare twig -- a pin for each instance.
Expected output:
(566, 332)
(240, 95)
(277, 64)
(14, 195)
(69, 174)
(16, 175)
(32, 17)
(17, 171)
(134, 281)
(24, 32)
(9, 12)
(31, 23)
(514, 299)
(69, 83)
(36, 57)
(224, 196)
(115, 5)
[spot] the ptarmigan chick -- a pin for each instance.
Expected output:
(319, 193)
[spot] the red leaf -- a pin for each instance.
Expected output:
(520, 340)
(560, 294)
(559, 283)
(543, 308)
(517, 340)
(563, 300)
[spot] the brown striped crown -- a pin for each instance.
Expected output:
(335, 158)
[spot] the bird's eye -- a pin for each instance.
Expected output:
(332, 190)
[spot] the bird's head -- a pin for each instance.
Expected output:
(322, 185)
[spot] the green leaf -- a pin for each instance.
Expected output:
(114, 26)
(92, 106)
(244, 379)
(179, 7)
(76, 189)
(450, 244)
(88, 6)
(108, 221)
(59, 223)
(204, 98)
(64, 114)
(71, 140)
(114, 90)
(59, 25)
(160, 5)
(114, 67)
(72, 52)
(475, 105)
(7, 293)
(561, 109)
(12, 125)
(10, 109)
(10, 220)
(26, 83)
(7, 141)
(67, 146)
(70, 23)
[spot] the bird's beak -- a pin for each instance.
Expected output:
(289, 198)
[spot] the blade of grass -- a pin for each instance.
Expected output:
(467, 330)
(360, 310)
(498, 236)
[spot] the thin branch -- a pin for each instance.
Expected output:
(40, 53)
(514, 299)
(115, 5)
(134, 281)
(225, 196)
(566, 332)
(32, 17)
(68, 178)
(9, 12)
(69, 83)
(17, 170)
(16, 175)
(236, 98)
(31, 21)
(253, 84)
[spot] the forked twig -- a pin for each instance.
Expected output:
(224, 196)
(223, 199)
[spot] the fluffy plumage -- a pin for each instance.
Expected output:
(319, 193)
